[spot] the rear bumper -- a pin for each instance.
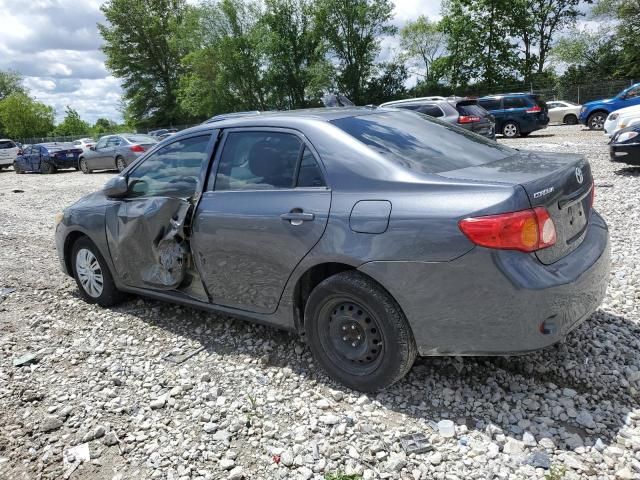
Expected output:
(625, 153)
(6, 162)
(491, 302)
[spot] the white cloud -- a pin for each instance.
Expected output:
(55, 45)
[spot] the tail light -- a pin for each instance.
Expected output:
(20, 152)
(137, 148)
(534, 109)
(525, 230)
(468, 119)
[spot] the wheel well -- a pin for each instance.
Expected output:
(599, 110)
(72, 238)
(308, 281)
(570, 115)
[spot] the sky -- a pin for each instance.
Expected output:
(55, 45)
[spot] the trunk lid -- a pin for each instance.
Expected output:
(560, 182)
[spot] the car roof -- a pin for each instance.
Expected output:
(6, 140)
(514, 94)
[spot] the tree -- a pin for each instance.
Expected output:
(478, 41)
(352, 31)
(297, 70)
(588, 54)
(72, 124)
(388, 85)
(536, 23)
(10, 82)
(23, 117)
(104, 126)
(143, 49)
(423, 41)
(626, 15)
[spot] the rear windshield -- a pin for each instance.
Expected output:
(422, 143)
(140, 139)
(7, 144)
(471, 109)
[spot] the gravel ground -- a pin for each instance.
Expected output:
(252, 404)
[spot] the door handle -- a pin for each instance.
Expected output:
(296, 217)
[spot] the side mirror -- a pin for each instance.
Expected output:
(92, 147)
(116, 187)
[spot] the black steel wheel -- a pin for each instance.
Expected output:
(358, 333)
(47, 168)
(570, 119)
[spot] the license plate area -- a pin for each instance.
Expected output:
(574, 221)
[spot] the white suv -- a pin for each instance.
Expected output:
(8, 152)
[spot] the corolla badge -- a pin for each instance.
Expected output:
(542, 193)
(579, 175)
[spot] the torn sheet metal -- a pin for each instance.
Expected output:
(148, 242)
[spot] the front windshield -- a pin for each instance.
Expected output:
(422, 143)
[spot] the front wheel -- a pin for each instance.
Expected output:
(570, 119)
(92, 274)
(510, 129)
(596, 121)
(358, 333)
(120, 165)
(83, 166)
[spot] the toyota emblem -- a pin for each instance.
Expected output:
(579, 176)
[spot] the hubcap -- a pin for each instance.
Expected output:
(510, 130)
(89, 273)
(352, 337)
(83, 165)
(597, 122)
(120, 164)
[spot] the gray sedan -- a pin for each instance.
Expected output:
(378, 234)
(115, 152)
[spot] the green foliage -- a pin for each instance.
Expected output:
(556, 472)
(388, 85)
(626, 14)
(423, 42)
(10, 82)
(352, 31)
(342, 476)
(21, 116)
(72, 124)
(144, 46)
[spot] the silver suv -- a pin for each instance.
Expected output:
(9, 150)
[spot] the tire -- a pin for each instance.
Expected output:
(596, 121)
(510, 129)
(120, 164)
(358, 333)
(47, 168)
(89, 267)
(83, 166)
(570, 119)
(17, 169)
(525, 134)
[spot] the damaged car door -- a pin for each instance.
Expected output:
(265, 206)
(147, 230)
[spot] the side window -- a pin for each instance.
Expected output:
(633, 92)
(516, 102)
(309, 174)
(114, 142)
(431, 110)
(172, 171)
(492, 104)
(258, 160)
(102, 143)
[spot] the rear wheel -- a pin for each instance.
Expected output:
(83, 166)
(570, 119)
(358, 333)
(92, 274)
(47, 168)
(510, 129)
(120, 164)
(596, 121)
(17, 169)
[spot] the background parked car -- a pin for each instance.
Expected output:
(9, 150)
(47, 158)
(516, 113)
(563, 111)
(625, 146)
(621, 118)
(464, 112)
(162, 131)
(115, 152)
(594, 114)
(84, 143)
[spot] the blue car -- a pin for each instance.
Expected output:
(516, 114)
(47, 158)
(593, 114)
